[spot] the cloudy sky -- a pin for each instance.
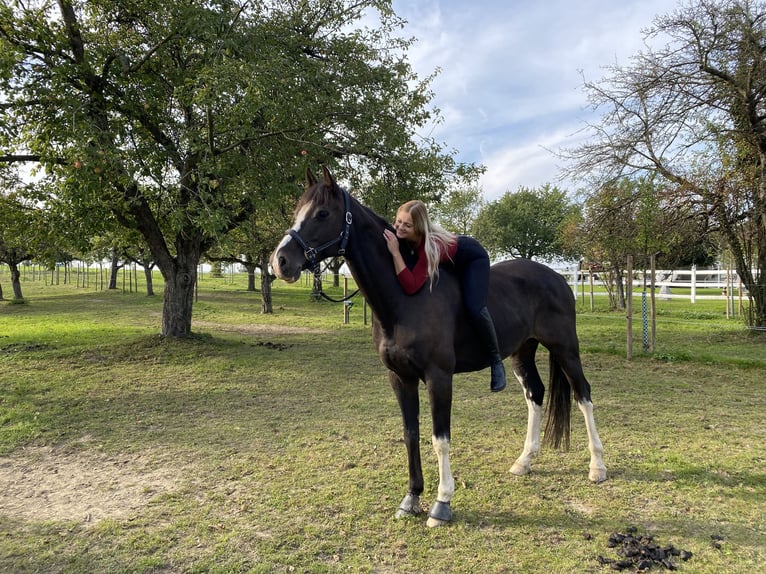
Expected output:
(511, 81)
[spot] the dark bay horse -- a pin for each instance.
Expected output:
(427, 337)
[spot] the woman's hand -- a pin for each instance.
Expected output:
(392, 242)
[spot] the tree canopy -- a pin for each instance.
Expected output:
(527, 223)
(180, 118)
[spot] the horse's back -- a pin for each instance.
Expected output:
(529, 300)
(529, 279)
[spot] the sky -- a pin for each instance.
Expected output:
(510, 88)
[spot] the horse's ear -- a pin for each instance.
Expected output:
(310, 178)
(328, 178)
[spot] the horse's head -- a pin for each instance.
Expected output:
(320, 228)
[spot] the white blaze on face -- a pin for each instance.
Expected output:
(299, 219)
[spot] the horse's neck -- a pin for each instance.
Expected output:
(372, 266)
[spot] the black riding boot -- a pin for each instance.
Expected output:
(486, 330)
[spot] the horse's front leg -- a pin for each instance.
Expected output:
(440, 394)
(523, 464)
(409, 403)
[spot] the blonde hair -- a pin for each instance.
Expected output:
(436, 239)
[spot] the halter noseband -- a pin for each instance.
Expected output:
(312, 253)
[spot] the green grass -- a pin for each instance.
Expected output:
(272, 443)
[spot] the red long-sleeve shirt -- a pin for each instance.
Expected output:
(413, 279)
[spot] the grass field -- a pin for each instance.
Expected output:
(272, 443)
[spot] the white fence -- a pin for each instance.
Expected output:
(690, 280)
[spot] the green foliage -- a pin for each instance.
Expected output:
(459, 209)
(528, 223)
(180, 119)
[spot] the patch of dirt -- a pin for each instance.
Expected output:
(23, 347)
(68, 484)
(255, 329)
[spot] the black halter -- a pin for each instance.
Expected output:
(312, 253)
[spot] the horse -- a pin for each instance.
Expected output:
(427, 337)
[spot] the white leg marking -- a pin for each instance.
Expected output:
(523, 464)
(446, 482)
(597, 472)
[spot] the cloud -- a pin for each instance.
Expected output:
(511, 81)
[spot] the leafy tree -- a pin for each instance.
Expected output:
(693, 112)
(609, 233)
(527, 223)
(251, 244)
(629, 217)
(22, 232)
(180, 117)
(459, 209)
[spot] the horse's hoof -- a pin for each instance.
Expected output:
(434, 523)
(440, 514)
(597, 475)
(410, 506)
(520, 469)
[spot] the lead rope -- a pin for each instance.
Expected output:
(318, 281)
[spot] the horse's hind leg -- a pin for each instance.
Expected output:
(525, 370)
(571, 366)
(597, 469)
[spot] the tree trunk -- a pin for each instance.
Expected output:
(179, 298)
(266, 280)
(251, 267)
(115, 269)
(335, 266)
(316, 288)
(16, 281)
(149, 280)
(619, 284)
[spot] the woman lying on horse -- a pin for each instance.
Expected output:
(426, 245)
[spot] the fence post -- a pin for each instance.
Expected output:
(629, 304)
(346, 305)
(693, 297)
(653, 265)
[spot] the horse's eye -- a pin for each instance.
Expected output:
(323, 214)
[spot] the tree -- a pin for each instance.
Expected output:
(180, 117)
(251, 244)
(458, 211)
(630, 217)
(693, 112)
(527, 223)
(609, 232)
(25, 234)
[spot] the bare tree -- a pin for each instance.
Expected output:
(693, 111)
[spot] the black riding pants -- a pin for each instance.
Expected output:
(472, 266)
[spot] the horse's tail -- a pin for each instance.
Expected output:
(559, 407)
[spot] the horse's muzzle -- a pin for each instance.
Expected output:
(283, 268)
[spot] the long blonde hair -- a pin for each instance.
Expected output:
(436, 239)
